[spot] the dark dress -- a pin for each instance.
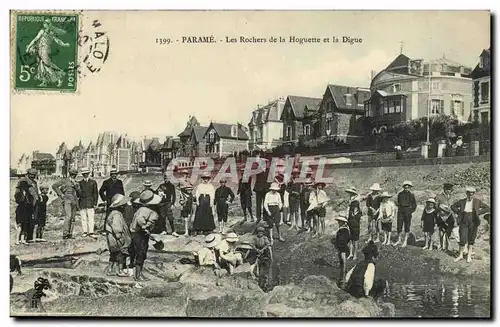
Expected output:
(429, 220)
(204, 217)
(42, 210)
(354, 219)
(342, 239)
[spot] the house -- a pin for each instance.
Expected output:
(340, 109)
(222, 140)
(299, 118)
(63, 160)
(122, 156)
(104, 149)
(77, 156)
(45, 163)
(191, 142)
(412, 88)
(266, 127)
(169, 150)
(151, 154)
(481, 89)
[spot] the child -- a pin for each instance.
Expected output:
(294, 190)
(318, 200)
(227, 255)
(42, 214)
(429, 216)
(186, 200)
(387, 214)
(118, 237)
(273, 206)
(22, 212)
(260, 256)
(354, 221)
(129, 211)
(342, 239)
(223, 197)
(445, 223)
(304, 204)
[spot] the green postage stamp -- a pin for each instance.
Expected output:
(46, 52)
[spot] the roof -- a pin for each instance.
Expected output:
(445, 61)
(484, 71)
(152, 144)
(90, 147)
(192, 121)
(43, 156)
(301, 104)
(401, 61)
(199, 132)
(270, 112)
(224, 131)
(169, 144)
(359, 96)
(382, 93)
(62, 148)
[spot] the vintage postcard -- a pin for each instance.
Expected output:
(250, 164)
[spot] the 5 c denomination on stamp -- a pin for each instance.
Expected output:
(46, 54)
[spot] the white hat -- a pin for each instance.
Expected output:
(212, 240)
(407, 183)
(232, 237)
(375, 187)
(352, 190)
(85, 171)
(470, 189)
(385, 194)
(118, 200)
(274, 187)
(147, 183)
(431, 200)
(341, 218)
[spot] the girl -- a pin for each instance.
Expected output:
(429, 216)
(387, 214)
(205, 201)
(445, 223)
(354, 221)
(273, 206)
(342, 245)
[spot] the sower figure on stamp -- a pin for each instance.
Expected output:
(88, 202)
(68, 191)
(47, 72)
(223, 197)
(109, 188)
(245, 193)
(407, 205)
(468, 211)
(167, 192)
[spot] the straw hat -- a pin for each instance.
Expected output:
(431, 200)
(341, 218)
(409, 183)
(184, 172)
(232, 237)
(352, 190)
(206, 175)
(223, 181)
(212, 240)
(113, 171)
(385, 194)
(274, 187)
(147, 183)
(260, 229)
(148, 197)
(470, 189)
(44, 187)
(443, 207)
(118, 200)
(375, 187)
(319, 183)
(71, 172)
(85, 171)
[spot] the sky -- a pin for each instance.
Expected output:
(147, 89)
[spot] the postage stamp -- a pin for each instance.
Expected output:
(46, 52)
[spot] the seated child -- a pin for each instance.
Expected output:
(225, 252)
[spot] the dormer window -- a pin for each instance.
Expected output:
(481, 62)
(234, 131)
(348, 99)
(211, 136)
(396, 88)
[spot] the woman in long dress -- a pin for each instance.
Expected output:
(205, 204)
(47, 71)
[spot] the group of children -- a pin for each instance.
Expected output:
(31, 209)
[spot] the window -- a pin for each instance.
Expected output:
(374, 131)
(307, 129)
(328, 126)
(234, 131)
(396, 88)
(435, 85)
(211, 136)
(476, 115)
(348, 99)
(382, 129)
(484, 118)
(385, 105)
(288, 131)
(437, 107)
(329, 105)
(481, 62)
(457, 108)
(397, 106)
(485, 92)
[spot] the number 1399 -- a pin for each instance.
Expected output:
(163, 41)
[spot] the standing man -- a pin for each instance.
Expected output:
(245, 192)
(68, 191)
(166, 191)
(407, 205)
(260, 188)
(468, 211)
(109, 188)
(88, 201)
(32, 199)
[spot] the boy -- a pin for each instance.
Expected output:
(223, 197)
(42, 214)
(260, 256)
(342, 239)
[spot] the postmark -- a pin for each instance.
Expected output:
(46, 52)
(95, 48)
